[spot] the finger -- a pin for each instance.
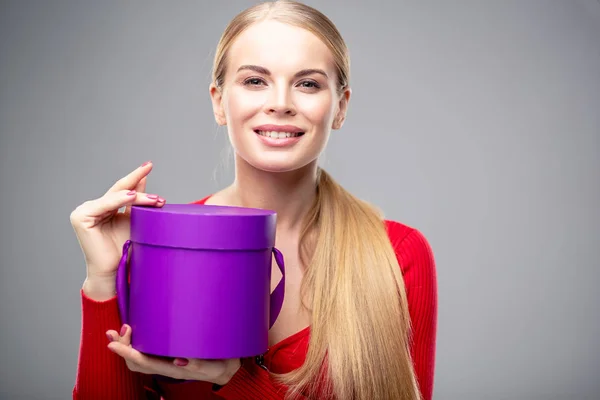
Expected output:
(124, 338)
(125, 335)
(146, 364)
(112, 335)
(181, 362)
(141, 188)
(130, 181)
(146, 199)
(121, 345)
(121, 348)
(111, 202)
(157, 365)
(134, 359)
(93, 212)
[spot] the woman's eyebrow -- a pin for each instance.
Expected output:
(299, 74)
(310, 71)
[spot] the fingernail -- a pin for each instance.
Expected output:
(110, 338)
(181, 362)
(131, 193)
(152, 196)
(146, 163)
(123, 330)
(161, 200)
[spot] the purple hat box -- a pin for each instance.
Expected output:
(194, 281)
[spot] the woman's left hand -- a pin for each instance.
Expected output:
(214, 371)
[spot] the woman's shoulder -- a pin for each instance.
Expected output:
(399, 232)
(412, 248)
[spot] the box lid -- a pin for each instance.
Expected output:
(199, 226)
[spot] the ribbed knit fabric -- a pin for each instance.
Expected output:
(102, 374)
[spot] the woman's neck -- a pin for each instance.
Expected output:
(289, 194)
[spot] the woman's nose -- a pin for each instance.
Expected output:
(280, 102)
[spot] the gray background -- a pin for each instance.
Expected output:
(477, 122)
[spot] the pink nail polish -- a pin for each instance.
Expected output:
(131, 193)
(146, 163)
(152, 196)
(123, 330)
(161, 200)
(181, 362)
(110, 339)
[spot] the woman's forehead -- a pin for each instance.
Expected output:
(279, 47)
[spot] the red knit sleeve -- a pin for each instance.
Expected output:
(101, 374)
(420, 278)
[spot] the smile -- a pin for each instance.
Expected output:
(279, 135)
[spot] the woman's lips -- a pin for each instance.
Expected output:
(278, 128)
(278, 139)
(279, 135)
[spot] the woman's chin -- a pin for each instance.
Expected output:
(276, 167)
(286, 164)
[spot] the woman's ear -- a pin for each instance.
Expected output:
(216, 95)
(340, 116)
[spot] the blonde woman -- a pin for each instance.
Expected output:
(360, 313)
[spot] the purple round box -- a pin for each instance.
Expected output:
(199, 280)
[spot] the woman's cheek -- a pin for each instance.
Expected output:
(316, 108)
(243, 104)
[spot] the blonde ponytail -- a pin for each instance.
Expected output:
(354, 288)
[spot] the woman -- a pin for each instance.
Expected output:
(360, 312)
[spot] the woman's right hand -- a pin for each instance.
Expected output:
(102, 230)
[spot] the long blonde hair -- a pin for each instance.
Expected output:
(360, 325)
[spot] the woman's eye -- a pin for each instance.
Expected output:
(253, 81)
(309, 84)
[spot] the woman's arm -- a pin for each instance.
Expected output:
(101, 374)
(420, 277)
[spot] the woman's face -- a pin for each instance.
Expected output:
(280, 98)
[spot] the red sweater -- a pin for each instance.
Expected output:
(103, 375)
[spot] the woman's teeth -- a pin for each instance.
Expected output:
(279, 135)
